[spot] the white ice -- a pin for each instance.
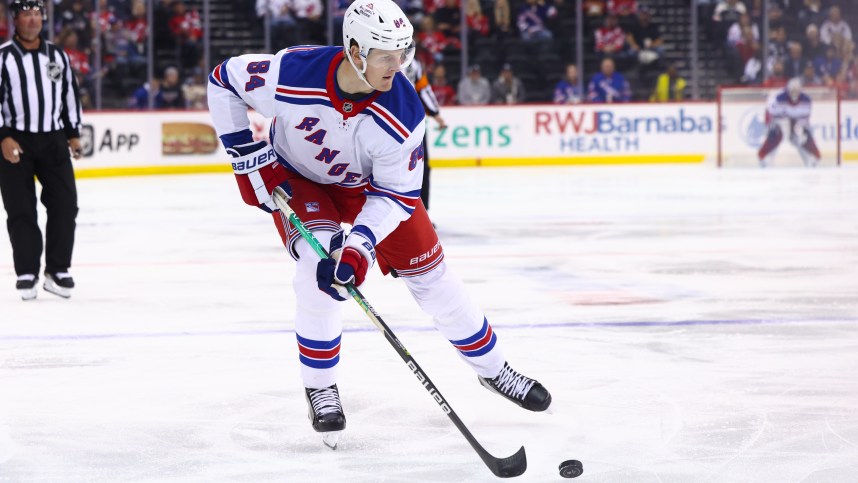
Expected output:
(692, 324)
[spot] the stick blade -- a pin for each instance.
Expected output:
(508, 467)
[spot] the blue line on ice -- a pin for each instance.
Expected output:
(559, 325)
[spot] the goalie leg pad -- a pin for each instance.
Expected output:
(773, 140)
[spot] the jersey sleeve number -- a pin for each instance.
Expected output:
(255, 80)
(416, 156)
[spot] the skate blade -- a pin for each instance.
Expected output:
(57, 290)
(331, 439)
(28, 294)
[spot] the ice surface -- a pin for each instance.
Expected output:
(692, 325)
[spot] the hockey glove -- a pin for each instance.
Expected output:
(351, 258)
(258, 173)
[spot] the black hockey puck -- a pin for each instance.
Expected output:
(571, 469)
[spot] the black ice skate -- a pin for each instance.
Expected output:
(518, 388)
(59, 283)
(26, 286)
(326, 413)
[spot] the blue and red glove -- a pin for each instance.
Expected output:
(351, 258)
(256, 171)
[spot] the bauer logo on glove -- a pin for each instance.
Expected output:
(252, 161)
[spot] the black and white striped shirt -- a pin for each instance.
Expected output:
(38, 91)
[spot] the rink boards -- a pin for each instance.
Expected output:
(165, 142)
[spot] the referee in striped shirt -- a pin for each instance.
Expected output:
(39, 132)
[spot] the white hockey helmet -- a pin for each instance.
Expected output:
(377, 24)
(793, 88)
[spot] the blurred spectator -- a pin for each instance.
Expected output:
(478, 23)
(138, 26)
(4, 22)
(122, 8)
(809, 77)
(188, 31)
(777, 46)
(841, 44)
(811, 13)
(645, 40)
(533, 20)
(753, 73)
(444, 92)
(170, 94)
(474, 89)
(128, 59)
(429, 6)
(503, 18)
(106, 16)
(433, 41)
(194, 92)
(140, 98)
(567, 90)
(726, 13)
(813, 47)
(833, 26)
(622, 8)
(609, 85)
(669, 87)
(734, 34)
(68, 39)
(777, 77)
(283, 24)
(308, 21)
(746, 50)
(610, 38)
(795, 61)
(448, 18)
(74, 16)
(79, 60)
(594, 8)
(829, 66)
(508, 89)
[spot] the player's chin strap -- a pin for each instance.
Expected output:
(360, 72)
(510, 466)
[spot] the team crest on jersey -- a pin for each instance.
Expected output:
(347, 107)
(55, 71)
(312, 207)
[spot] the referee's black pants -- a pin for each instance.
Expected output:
(424, 188)
(46, 156)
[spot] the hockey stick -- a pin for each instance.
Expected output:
(511, 466)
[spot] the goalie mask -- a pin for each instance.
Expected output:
(18, 6)
(793, 89)
(381, 25)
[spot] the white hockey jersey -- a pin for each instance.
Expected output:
(780, 106)
(373, 142)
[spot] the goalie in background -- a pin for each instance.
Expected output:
(793, 106)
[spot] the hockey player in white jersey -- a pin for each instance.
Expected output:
(346, 144)
(792, 107)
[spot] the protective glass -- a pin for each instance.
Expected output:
(391, 59)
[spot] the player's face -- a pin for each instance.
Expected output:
(382, 66)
